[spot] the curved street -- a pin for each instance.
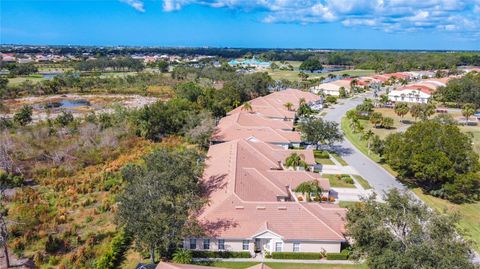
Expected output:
(380, 179)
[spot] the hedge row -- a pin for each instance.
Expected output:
(296, 256)
(322, 154)
(338, 256)
(118, 246)
(221, 254)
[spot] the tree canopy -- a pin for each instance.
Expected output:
(403, 233)
(465, 89)
(319, 131)
(160, 197)
(311, 65)
(437, 157)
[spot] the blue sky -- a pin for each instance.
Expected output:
(356, 24)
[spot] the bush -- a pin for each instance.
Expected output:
(339, 256)
(296, 255)
(183, 256)
(347, 179)
(321, 154)
(53, 244)
(112, 258)
(220, 254)
(331, 99)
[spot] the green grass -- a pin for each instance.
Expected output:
(362, 146)
(469, 214)
(339, 159)
(347, 204)
(20, 80)
(324, 161)
(275, 265)
(335, 182)
(362, 182)
(293, 75)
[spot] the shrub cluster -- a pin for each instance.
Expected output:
(321, 154)
(339, 256)
(117, 248)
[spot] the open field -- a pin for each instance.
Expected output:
(20, 80)
(293, 75)
(469, 214)
(401, 125)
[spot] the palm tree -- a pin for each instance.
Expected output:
(301, 102)
(367, 136)
(247, 107)
(236, 103)
(401, 109)
(295, 160)
(309, 187)
(289, 106)
(467, 111)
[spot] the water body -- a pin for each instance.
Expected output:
(67, 103)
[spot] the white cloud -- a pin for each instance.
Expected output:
(136, 4)
(388, 15)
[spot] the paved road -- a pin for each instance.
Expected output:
(378, 177)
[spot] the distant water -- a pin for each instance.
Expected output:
(66, 103)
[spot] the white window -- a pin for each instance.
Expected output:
(245, 244)
(206, 243)
(296, 247)
(278, 246)
(193, 243)
(221, 244)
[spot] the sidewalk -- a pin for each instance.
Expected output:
(261, 259)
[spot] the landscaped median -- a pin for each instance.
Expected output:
(355, 139)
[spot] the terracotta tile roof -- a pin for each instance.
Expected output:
(234, 218)
(273, 105)
(247, 184)
(244, 196)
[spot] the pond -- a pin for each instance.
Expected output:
(67, 103)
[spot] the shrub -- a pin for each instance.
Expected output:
(182, 256)
(300, 198)
(321, 154)
(331, 99)
(53, 244)
(347, 179)
(118, 247)
(296, 255)
(221, 254)
(339, 256)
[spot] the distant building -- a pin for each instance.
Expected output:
(250, 62)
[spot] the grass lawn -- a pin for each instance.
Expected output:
(347, 204)
(20, 80)
(362, 145)
(293, 75)
(339, 159)
(275, 265)
(324, 161)
(335, 182)
(362, 182)
(469, 214)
